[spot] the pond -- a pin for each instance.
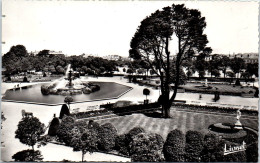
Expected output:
(108, 90)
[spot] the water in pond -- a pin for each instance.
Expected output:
(33, 94)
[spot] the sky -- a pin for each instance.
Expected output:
(106, 27)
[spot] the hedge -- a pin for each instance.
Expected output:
(174, 147)
(133, 132)
(146, 147)
(209, 148)
(107, 134)
(64, 131)
(193, 146)
(121, 145)
(108, 109)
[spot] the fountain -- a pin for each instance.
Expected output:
(233, 132)
(69, 85)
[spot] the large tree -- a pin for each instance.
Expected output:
(152, 40)
(224, 64)
(15, 60)
(29, 132)
(237, 64)
(252, 69)
(19, 51)
(214, 65)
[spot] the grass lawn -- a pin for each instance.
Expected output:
(221, 88)
(180, 120)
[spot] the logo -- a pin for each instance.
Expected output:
(234, 149)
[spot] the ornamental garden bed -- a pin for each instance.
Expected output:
(209, 109)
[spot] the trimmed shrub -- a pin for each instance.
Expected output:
(237, 82)
(146, 147)
(54, 127)
(64, 132)
(25, 79)
(174, 147)
(96, 127)
(149, 157)
(121, 145)
(194, 146)
(133, 132)
(107, 134)
(252, 149)
(8, 78)
(93, 125)
(81, 125)
(157, 141)
(68, 100)
(210, 148)
(146, 92)
(28, 155)
(64, 111)
(256, 92)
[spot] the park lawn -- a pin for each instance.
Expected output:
(181, 120)
(221, 88)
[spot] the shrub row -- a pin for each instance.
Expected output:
(69, 128)
(216, 109)
(93, 113)
(142, 146)
(134, 108)
(108, 108)
(194, 147)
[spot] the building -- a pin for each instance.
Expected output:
(248, 57)
(113, 57)
(51, 52)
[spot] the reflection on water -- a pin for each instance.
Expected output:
(33, 94)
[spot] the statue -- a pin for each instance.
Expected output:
(206, 82)
(238, 114)
(238, 124)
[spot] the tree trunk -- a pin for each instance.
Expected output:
(166, 98)
(166, 109)
(82, 158)
(33, 153)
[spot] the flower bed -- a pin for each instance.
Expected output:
(108, 109)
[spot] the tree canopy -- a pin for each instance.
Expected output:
(29, 131)
(151, 43)
(28, 156)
